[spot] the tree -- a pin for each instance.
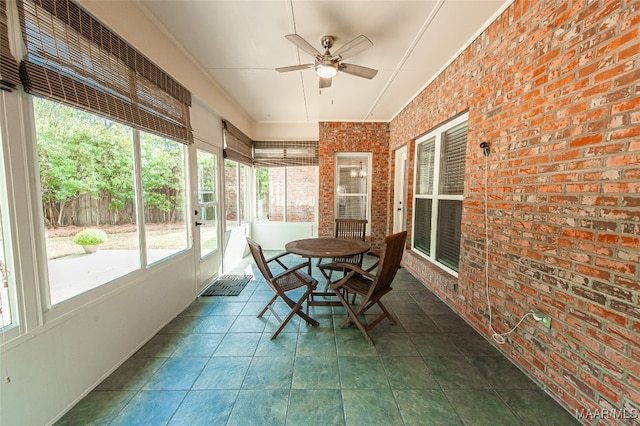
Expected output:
(84, 155)
(163, 179)
(80, 153)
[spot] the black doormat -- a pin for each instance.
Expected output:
(227, 285)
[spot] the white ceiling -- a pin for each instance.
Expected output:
(239, 43)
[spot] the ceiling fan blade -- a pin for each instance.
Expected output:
(354, 47)
(358, 70)
(294, 68)
(325, 82)
(303, 44)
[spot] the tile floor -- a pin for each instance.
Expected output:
(216, 365)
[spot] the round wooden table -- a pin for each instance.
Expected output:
(327, 247)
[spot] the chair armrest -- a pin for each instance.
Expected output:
(374, 253)
(350, 267)
(276, 258)
(290, 271)
(294, 270)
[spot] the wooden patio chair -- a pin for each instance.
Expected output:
(371, 287)
(282, 283)
(354, 229)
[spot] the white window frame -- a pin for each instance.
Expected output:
(287, 196)
(24, 278)
(9, 330)
(367, 160)
(435, 196)
(54, 310)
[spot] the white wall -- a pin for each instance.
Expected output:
(206, 124)
(285, 131)
(274, 235)
(54, 366)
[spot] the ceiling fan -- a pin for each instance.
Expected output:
(328, 64)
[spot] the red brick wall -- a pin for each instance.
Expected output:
(552, 86)
(300, 196)
(301, 185)
(276, 193)
(355, 137)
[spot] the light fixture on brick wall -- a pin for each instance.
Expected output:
(485, 149)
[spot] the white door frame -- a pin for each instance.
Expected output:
(207, 267)
(399, 190)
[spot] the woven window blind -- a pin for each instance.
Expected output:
(238, 146)
(9, 77)
(74, 59)
(285, 153)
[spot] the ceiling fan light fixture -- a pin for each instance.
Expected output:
(326, 70)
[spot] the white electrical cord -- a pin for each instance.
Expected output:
(499, 338)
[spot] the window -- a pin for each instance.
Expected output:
(286, 180)
(352, 185)
(92, 173)
(286, 194)
(439, 186)
(86, 178)
(163, 185)
(87, 181)
(236, 181)
(237, 187)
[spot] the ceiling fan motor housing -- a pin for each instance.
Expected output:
(327, 41)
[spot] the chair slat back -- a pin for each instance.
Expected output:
(390, 259)
(261, 262)
(351, 229)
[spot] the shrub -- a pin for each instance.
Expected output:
(90, 237)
